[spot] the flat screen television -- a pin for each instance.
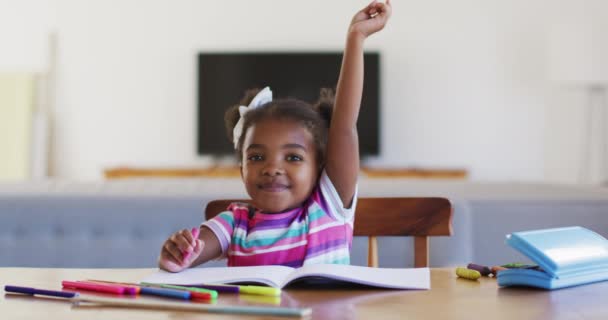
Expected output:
(224, 77)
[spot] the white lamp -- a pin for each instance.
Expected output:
(578, 60)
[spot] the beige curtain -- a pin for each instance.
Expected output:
(17, 99)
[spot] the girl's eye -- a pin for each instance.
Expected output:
(294, 157)
(255, 157)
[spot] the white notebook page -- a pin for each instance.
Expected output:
(270, 275)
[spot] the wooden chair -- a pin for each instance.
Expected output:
(417, 217)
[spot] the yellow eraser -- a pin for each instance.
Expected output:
(468, 273)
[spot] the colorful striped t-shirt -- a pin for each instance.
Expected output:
(320, 231)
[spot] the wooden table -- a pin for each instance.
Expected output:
(449, 298)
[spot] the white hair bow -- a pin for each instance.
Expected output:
(261, 98)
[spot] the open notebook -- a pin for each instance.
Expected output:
(566, 257)
(281, 276)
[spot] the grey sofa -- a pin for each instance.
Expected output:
(122, 223)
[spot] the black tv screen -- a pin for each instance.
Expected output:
(224, 77)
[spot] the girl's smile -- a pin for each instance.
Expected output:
(273, 186)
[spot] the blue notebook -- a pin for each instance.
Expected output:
(566, 257)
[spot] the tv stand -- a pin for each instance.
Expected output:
(233, 171)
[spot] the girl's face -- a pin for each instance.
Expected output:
(279, 164)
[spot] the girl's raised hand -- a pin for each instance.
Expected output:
(371, 19)
(180, 250)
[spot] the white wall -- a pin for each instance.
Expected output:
(24, 33)
(463, 81)
(577, 35)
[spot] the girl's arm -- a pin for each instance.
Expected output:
(343, 142)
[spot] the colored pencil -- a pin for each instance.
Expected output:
(227, 309)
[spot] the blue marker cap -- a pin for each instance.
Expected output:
(169, 293)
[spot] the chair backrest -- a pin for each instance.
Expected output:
(417, 217)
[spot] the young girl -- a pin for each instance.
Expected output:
(299, 164)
